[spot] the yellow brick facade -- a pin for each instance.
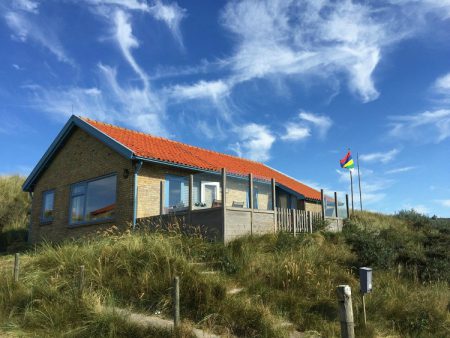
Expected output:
(81, 158)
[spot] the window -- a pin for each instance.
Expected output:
(48, 200)
(176, 192)
(93, 200)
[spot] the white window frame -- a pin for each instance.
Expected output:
(202, 191)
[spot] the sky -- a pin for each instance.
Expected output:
(292, 83)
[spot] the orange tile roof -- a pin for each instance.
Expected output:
(158, 148)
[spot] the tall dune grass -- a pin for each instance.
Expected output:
(284, 279)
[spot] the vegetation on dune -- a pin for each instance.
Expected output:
(14, 209)
(284, 279)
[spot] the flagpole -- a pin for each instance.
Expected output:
(351, 185)
(359, 182)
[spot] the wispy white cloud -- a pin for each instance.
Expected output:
(429, 126)
(126, 40)
(255, 142)
(309, 37)
(321, 122)
(382, 157)
(302, 127)
(200, 90)
(296, 132)
(137, 108)
(400, 170)
(171, 15)
(442, 84)
(373, 188)
(25, 26)
(445, 203)
(26, 5)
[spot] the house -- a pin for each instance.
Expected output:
(95, 175)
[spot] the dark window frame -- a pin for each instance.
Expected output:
(84, 184)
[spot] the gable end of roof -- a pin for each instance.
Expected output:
(65, 132)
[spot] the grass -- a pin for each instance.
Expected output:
(284, 279)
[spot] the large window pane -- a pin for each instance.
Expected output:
(177, 193)
(93, 200)
(48, 199)
(262, 195)
(101, 198)
(77, 211)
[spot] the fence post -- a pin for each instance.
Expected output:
(16, 267)
(176, 302)
(344, 294)
(294, 220)
(310, 222)
(323, 206)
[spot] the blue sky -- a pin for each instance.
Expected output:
(291, 83)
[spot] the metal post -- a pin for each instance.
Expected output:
(359, 182)
(16, 267)
(176, 301)
(336, 204)
(346, 204)
(344, 294)
(364, 309)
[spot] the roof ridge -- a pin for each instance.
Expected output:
(169, 140)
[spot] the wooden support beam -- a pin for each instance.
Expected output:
(161, 197)
(250, 184)
(322, 203)
(274, 205)
(224, 203)
(191, 194)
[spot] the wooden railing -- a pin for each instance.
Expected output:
(295, 221)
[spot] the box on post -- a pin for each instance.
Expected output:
(365, 279)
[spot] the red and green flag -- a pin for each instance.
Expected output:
(347, 162)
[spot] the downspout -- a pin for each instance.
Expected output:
(137, 169)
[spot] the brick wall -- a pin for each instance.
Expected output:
(313, 207)
(149, 187)
(81, 158)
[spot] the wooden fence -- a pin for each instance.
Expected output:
(295, 221)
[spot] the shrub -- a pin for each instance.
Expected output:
(413, 218)
(14, 203)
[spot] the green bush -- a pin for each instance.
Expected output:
(14, 203)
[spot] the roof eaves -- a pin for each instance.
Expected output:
(60, 138)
